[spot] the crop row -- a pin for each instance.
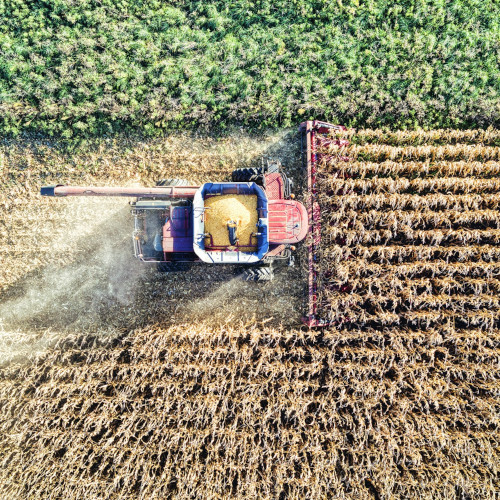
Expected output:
(382, 152)
(412, 169)
(488, 137)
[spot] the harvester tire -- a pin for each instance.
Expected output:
(173, 267)
(174, 182)
(258, 274)
(248, 175)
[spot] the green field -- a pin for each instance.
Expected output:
(96, 67)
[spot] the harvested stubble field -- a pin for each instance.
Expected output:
(133, 385)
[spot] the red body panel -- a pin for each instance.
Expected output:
(287, 221)
(275, 190)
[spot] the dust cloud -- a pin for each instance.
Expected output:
(92, 283)
(90, 270)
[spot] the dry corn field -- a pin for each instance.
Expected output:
(117, 382)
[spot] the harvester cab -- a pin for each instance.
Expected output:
(252, 220)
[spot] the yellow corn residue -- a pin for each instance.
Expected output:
(232, 207)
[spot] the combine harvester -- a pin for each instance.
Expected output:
(252, 221)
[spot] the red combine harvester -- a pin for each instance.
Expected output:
(169, 219)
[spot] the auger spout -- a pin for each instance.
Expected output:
(163, 192)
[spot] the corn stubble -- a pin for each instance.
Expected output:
(398, 400)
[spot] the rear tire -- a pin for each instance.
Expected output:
(174, 182)
(248, 175)
(264, 273)
(173, 267)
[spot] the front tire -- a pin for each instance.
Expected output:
(256, 174)
(264, 273)
(248, 175)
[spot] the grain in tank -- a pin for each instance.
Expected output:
(232, 207)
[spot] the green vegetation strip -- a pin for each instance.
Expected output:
(96, 67)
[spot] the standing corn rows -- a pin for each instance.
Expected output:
(388, 221)
(488, 137)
